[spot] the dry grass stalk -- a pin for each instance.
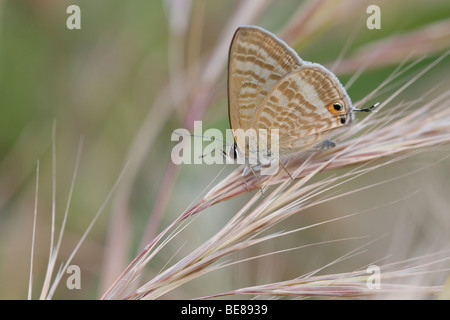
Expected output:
(378, 140)
(387, 137)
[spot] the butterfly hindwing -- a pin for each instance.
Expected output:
(300, 106)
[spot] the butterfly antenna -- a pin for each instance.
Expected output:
(205, 154)
(370, 109)
(284, 168)
(259, 181)
(203, 138)
(200, 136)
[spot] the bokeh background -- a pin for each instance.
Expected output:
(139, 69)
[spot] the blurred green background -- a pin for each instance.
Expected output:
(103, 82)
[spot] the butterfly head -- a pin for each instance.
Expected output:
(232, 152)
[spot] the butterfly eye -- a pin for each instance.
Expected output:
(342, 120)
(337, 106)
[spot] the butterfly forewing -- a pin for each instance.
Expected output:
(257, 60)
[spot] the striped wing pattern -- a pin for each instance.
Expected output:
(270, 87)
(299, 107)
(257, 60)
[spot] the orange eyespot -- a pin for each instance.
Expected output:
(336, 107)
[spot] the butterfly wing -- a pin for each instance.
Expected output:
(257, 60)
(302, 106)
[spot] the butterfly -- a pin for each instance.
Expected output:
(271, 88)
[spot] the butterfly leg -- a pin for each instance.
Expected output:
(284, 168)
(249, 168)
(272, 168)
(325, 145)
(244, 175)
(259, 181)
